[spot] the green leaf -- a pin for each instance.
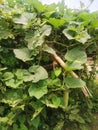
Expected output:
(37, 5)
(36, 122)
(68, 34)
(78, 33)
(4, 119)
(76, 55)
(23, 127)
(83, 37)
(73, 66)
(13, 83)
(49, 49)
(23, 54)
(39, 73)
(25, 18)
(74, 82)
(56, 22)
(36, 38)
(76, 117)
(37, 91)
(25, 75)
(52, 101)
(8, 75)
(57, 71)
(5, 32)
(38, 107)
(94, 23)
(12, 97)
(45, 30)
(54, 83)
(56, 101)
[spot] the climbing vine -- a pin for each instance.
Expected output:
(45, 81)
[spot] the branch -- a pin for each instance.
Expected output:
(62, 64)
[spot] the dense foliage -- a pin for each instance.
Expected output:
(38, 91)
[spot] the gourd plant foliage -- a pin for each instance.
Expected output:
(38, 91)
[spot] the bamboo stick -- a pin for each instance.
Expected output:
(63, 65)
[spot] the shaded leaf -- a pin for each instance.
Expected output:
(36, 122)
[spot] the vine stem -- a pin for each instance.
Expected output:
(84, 89)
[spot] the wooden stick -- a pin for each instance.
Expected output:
(63, 65)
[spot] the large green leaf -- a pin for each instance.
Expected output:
(23, 54)
(36, 38)
(73, 65)
(78, 33)
(34, 74)
(76, 55)
(39, 73)
(74, 82)
(37, 91)
(25, 18)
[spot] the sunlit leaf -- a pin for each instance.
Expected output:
(23, 54)
(73, 65)
(56, 22)
(46, 30)
(76, 55)
(37, 91)
(25, 18)
(56, 101)
(39, 73)
(74, 82)
(49, 49)
(12, 83)
(8, 75)
(57, 71)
